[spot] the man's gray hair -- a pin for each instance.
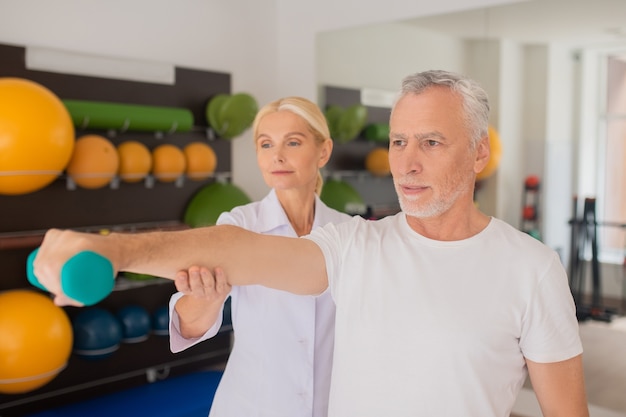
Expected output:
(475, 99)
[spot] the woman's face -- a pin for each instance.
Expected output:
(287, 152)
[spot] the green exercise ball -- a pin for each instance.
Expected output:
(212, 200)
(351, 123)
(345, 124)
(377, 132)
(342, 196)
(231, 115)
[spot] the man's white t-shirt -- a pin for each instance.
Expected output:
(441, 328)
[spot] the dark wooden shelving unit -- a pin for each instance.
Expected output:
(126, 207)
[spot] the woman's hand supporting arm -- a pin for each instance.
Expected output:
(204, 296)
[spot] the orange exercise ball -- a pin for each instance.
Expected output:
(94, 162)
(36, 136)
(135, 161)
(168, 162)
(35, 340)
(496, 154)
(377, 162)
(201, 160)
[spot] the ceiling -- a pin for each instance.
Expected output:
(583, 23)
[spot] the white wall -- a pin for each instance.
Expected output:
(559, 144)
(379, 56)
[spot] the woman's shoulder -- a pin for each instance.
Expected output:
(241, 215)
(256, 216)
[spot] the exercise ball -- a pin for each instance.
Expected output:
(494, 158)
(377, 132)
(345, 124)
(377, 162)
(135, 321)
(36, 136)
(212, 200)
(94, 162)
(35, 340)
(201, 160)
(342, 196)
(161, 321)
(97, 333)
(230, 115)
(168, 162)
(135, 161)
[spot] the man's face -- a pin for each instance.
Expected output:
(432, 163)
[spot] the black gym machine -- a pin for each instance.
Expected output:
(584, 238)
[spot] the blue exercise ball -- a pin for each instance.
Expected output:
(161, 321)
(135, 322)
(97, 333)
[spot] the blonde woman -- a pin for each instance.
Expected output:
(281, 360)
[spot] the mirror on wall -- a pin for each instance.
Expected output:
(544, 64)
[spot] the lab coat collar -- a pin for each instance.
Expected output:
(272, 215)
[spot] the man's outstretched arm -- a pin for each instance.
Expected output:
(291, 264)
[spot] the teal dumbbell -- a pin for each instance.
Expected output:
(86, 277)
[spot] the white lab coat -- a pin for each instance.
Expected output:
(281, 360)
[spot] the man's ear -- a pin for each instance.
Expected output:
(483, 153)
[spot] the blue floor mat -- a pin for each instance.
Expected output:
(188, 395)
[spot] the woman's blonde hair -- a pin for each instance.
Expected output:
(309, 112)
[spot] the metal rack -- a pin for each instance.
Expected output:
(584, 244)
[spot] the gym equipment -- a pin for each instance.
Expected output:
(201, 160)
(135, 161)
(231, 115)
(227, 319)
(530, 222)
(135, 321)
(532, 182)
(168, 162)
(213, 110)
(377, 132)
(584, 238)
(210, 201)
(86, 277)
(36, 136)
(377, 162)
(134, 276)
(160, 321)
(342, 196)
(494, 158)
(97, 333)
(94, 162)
(529, 213)
(346, 124)
(35, 340)
(128, 117)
